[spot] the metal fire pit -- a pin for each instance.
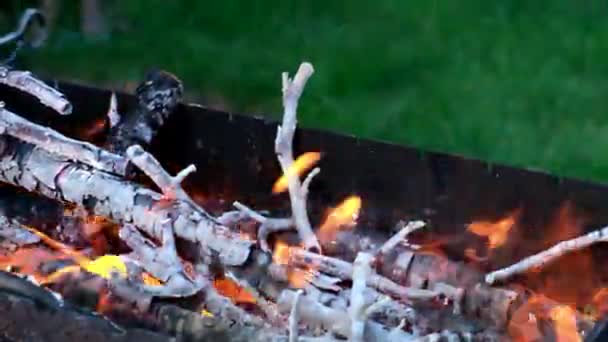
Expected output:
(234, 155)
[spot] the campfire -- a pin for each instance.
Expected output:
(103, 239)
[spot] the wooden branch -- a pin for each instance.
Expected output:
(268, 225)
(122, 201)
(292, 90)
(27, 83)
(60, 145)
(169, 185)
(157, 97)
(362, 270)
(112, 114)
(29, 16)
(23, 319)
(400, 236)
(338, 322)
(344, 270)
(294, 317)
(549, 255)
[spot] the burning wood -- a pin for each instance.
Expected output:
(235, 287)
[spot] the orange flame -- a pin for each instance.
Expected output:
(303, 163)
(496, 232)
(344, 215)
(234, 291)
(297, 278)
(102, 266)
(564, 319)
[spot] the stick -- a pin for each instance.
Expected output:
(292, 90)
(361, 271)
(549, 255)
(294, 317)
(344, 270)
(113, 115)
(268, 225)
(169, 185)
(338, 322)
(400, 236)
(122, 201)
(56, 143)
(26, 82)
(29, 16)
(157, 98)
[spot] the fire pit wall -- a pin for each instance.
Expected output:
(234, 155)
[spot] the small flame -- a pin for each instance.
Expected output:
(206, 313)
(232, 290)
(281, 252)
(297, 278)
(303, 163)
(102, 266)
(344, 215)
(564, 319)
(148, 279)
(496, 232)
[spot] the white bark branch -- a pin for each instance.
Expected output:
(292, 90)
(362, 270)
(27, 83)
(294, 318)
(344, 270)
(268, 225)
(549, 255)
(113, 115)
(169, 185)
(400, 236)
(60, 145)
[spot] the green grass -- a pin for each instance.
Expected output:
(519, 82)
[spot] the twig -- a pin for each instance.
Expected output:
(29, 16)
(400, 236)
(26, 82)
(294, 317)
(547, 256)
(337, 321)
(267, 307)
(113, 115)
(361, 271)
(58, 144)
(169, 185)
(292, 90)
(268, 225)
(344, 270)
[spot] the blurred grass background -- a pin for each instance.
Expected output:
(514, 81)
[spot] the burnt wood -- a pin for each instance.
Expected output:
(234, 155)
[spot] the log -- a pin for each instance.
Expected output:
(157, 98)
(24, 319)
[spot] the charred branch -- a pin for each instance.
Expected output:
(157, 98)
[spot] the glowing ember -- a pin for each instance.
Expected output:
(564, 319)
(206, 313)
(102, 266)
(232, 290)
(297, 278)
(496, 232)
(303, 163)
(105, 265)
(340, 217)
(280, 255)
(148, 279)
